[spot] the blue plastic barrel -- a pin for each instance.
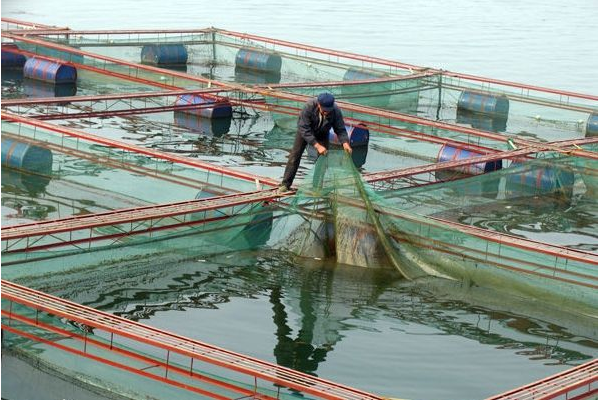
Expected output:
(358, 135)
(167, 54)
(450, 153)
(49, 71)
(483, 103)
(359, 156)
(209, 109)
(591, 128)
(11, 58)
(21, 155)
(258, 60)
(205, 126)
(539, 180)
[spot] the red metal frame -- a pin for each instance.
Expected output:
(562, 146)
(557, 385)
(138, 149)
(396, 64)
(548, 388)
(128, 215)
(181, 345)
(294, 97)
(496, 237)
(338, 54)
(33, 25)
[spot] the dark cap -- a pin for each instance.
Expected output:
(326, 101)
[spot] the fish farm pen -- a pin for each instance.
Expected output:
(148, 253)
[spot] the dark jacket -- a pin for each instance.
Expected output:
(312, 132)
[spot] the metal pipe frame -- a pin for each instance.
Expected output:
(192, 349)
(575, 383)
(140, 150)
(288, 96)
(552, 387)
(127, 166)
(261, 105)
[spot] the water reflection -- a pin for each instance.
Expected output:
(206, 126)
(484, 122)
(243, 75)
(24, 183)
(298, 353)
(315, 306)
(12, 76)
(33, 88)
(488, 187)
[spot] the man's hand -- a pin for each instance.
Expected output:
(322, 150)
(347, 148)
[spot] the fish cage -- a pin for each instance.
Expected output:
(143, 195)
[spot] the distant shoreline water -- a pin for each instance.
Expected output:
(535, 42)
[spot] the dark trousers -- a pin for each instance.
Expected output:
(294, 160)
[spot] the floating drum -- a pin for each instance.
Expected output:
(164, 54)
(591, 128)
(11, 58)
(449, 153)
(539, 180)
(258, 60)
(207, 108)
(49, 71)
(359, 156)
(25, 156)
(358, 135)
(483, 103)
(207, 126)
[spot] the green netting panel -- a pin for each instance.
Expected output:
(109, 68)
(107, 363)
(335, 217)
(220, 231)
(528, 102)
(401, 95)
(286, 111)
(564, 178)
(360, 227)
(110, 160)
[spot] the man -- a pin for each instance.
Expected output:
(314, 122)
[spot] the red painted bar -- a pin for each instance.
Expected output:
(181, 345)
(138, 149)
(557, 385)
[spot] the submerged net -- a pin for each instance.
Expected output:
(338, 215)
(336, 218)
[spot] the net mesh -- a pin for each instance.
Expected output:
(338, 214)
